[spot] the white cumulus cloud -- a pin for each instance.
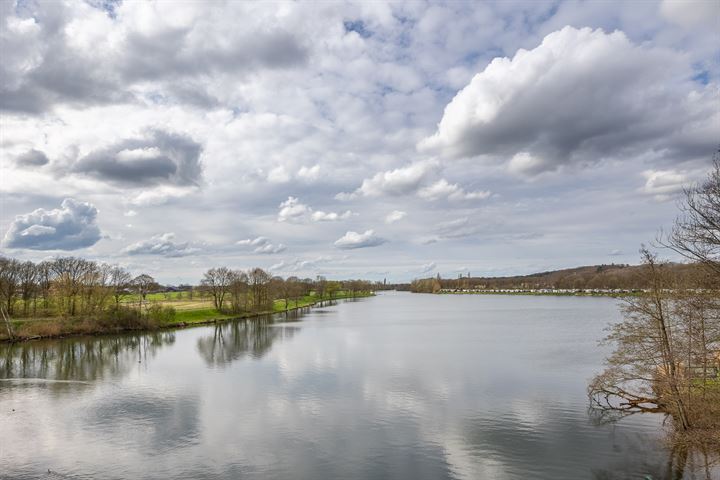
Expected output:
(580, 96)
(291, 210)
(321, 216)
(452, 191)
(399, 181)
(352, 240)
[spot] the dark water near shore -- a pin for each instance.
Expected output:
(399, 386)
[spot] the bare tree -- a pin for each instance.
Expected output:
(28, 285)
(664, 346)
(238, 291)
(217, 281)
(696, 233)
(120, 282)
(69, 273)
(45, 276)
(9, 282)
(142, 285)
(258, 280)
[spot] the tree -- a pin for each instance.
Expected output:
(320, 284)
(217, 281)
(332, 288)
(28, 285)
(664, 344)
(258, 280)
(696, 233)
(238, 291)
(142, 285)
(69, 273)
(120, 283)
(45, 278)
(9, 282)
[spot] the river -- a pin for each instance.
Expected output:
(398, 386)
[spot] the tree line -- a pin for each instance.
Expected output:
(256, 290)
(75, 287)
(604, 277)
(67, 286)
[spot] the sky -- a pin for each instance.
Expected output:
(351, 139)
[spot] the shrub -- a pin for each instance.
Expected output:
(159, 315)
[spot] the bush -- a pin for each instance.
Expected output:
(122, 318)
(159, 315)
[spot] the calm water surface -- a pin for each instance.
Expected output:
(400, 386)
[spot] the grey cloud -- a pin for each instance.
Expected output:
(42, 66)
(159, 158)
(552, 105)
(70, 227)
(459, 228)
(163, 245)
(32, 158)
(172, 53)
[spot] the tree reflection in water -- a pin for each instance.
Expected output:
(250, 337)
(81, 358)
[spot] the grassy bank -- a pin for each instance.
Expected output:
(164, 311)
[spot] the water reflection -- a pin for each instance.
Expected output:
(80, 359)
(403, 387)
(254, 338)
(147, 421)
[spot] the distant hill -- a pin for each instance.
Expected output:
(594, 276)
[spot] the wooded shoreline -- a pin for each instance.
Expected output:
(98, 330)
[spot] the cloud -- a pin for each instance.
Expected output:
(73, 54)
(70, 227)
(524, 163)
(159, 195)
(320, 216)
(163, 245)
(309, 174)
(452, 191)
(427, 268)
(580, 96)
(263, 245)
(458, 228)
(352, 240)
(291, 210)
(691, 13)
(615, 253)
(32, 158)
(395, 216)
(158, 158)
(130, 213)
(400, 181)
(664, 184)
(278, 175)
(300, 265)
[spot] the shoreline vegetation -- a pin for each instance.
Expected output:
(73, 296)
(28, 329)
(560, 292)
(615, 280)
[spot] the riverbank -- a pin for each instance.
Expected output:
(615, 293)
(187, 315)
